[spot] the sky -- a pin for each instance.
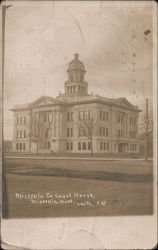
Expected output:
(114, 41)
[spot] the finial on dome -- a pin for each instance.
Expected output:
(76, 55)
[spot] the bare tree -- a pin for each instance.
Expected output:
(146, 126)
(37, 131)
(89, 129)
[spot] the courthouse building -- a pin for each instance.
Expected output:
(76, 121)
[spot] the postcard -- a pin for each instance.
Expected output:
(79, 124)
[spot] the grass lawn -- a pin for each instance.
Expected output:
(110, 188)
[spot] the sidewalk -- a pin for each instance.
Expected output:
(75, 158)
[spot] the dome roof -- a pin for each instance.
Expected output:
(75, 64)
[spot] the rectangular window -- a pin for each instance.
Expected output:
(17, 146)
(20, 146)
(107, 146)
(20, 120)
(89, 145)
(84, 145)
(119, 118)
(81, 131)
(85, 114)
(120, 133)
(104, 145)
(68, 116)
(89, 114)
(68, 132)
(100, 115)
(71, 132)
(100, 131)
(107, 116)
(49, 117)
(24, 120)
(132, 134)
(101, 145)
(107, 131)
(71, 145)
(103, 115)
(72, 114)
(45, 117)
(20, 133)
(80, 115)
(67, 145)
(79, 145)
(23, 146)
(103, 131)
(89, 131)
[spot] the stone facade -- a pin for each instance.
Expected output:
(76, 121)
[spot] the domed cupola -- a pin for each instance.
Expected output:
(75, 64)
(75, 85)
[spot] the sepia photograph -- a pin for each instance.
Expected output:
(78, 111)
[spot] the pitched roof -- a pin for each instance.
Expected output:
(41, 101)
(63, 100)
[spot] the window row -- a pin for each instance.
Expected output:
(119, 118)
(104, 115)
(132, 121)
(103, 131)
(20, 146)
(132, 147)
(84, 146)
(85, 115)
(104, 146)
(85, 131)
(81, 146)
(21, 120)
(48, 117)
(21, 134)
(69, 146)
(132, 134)
(75, 89)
